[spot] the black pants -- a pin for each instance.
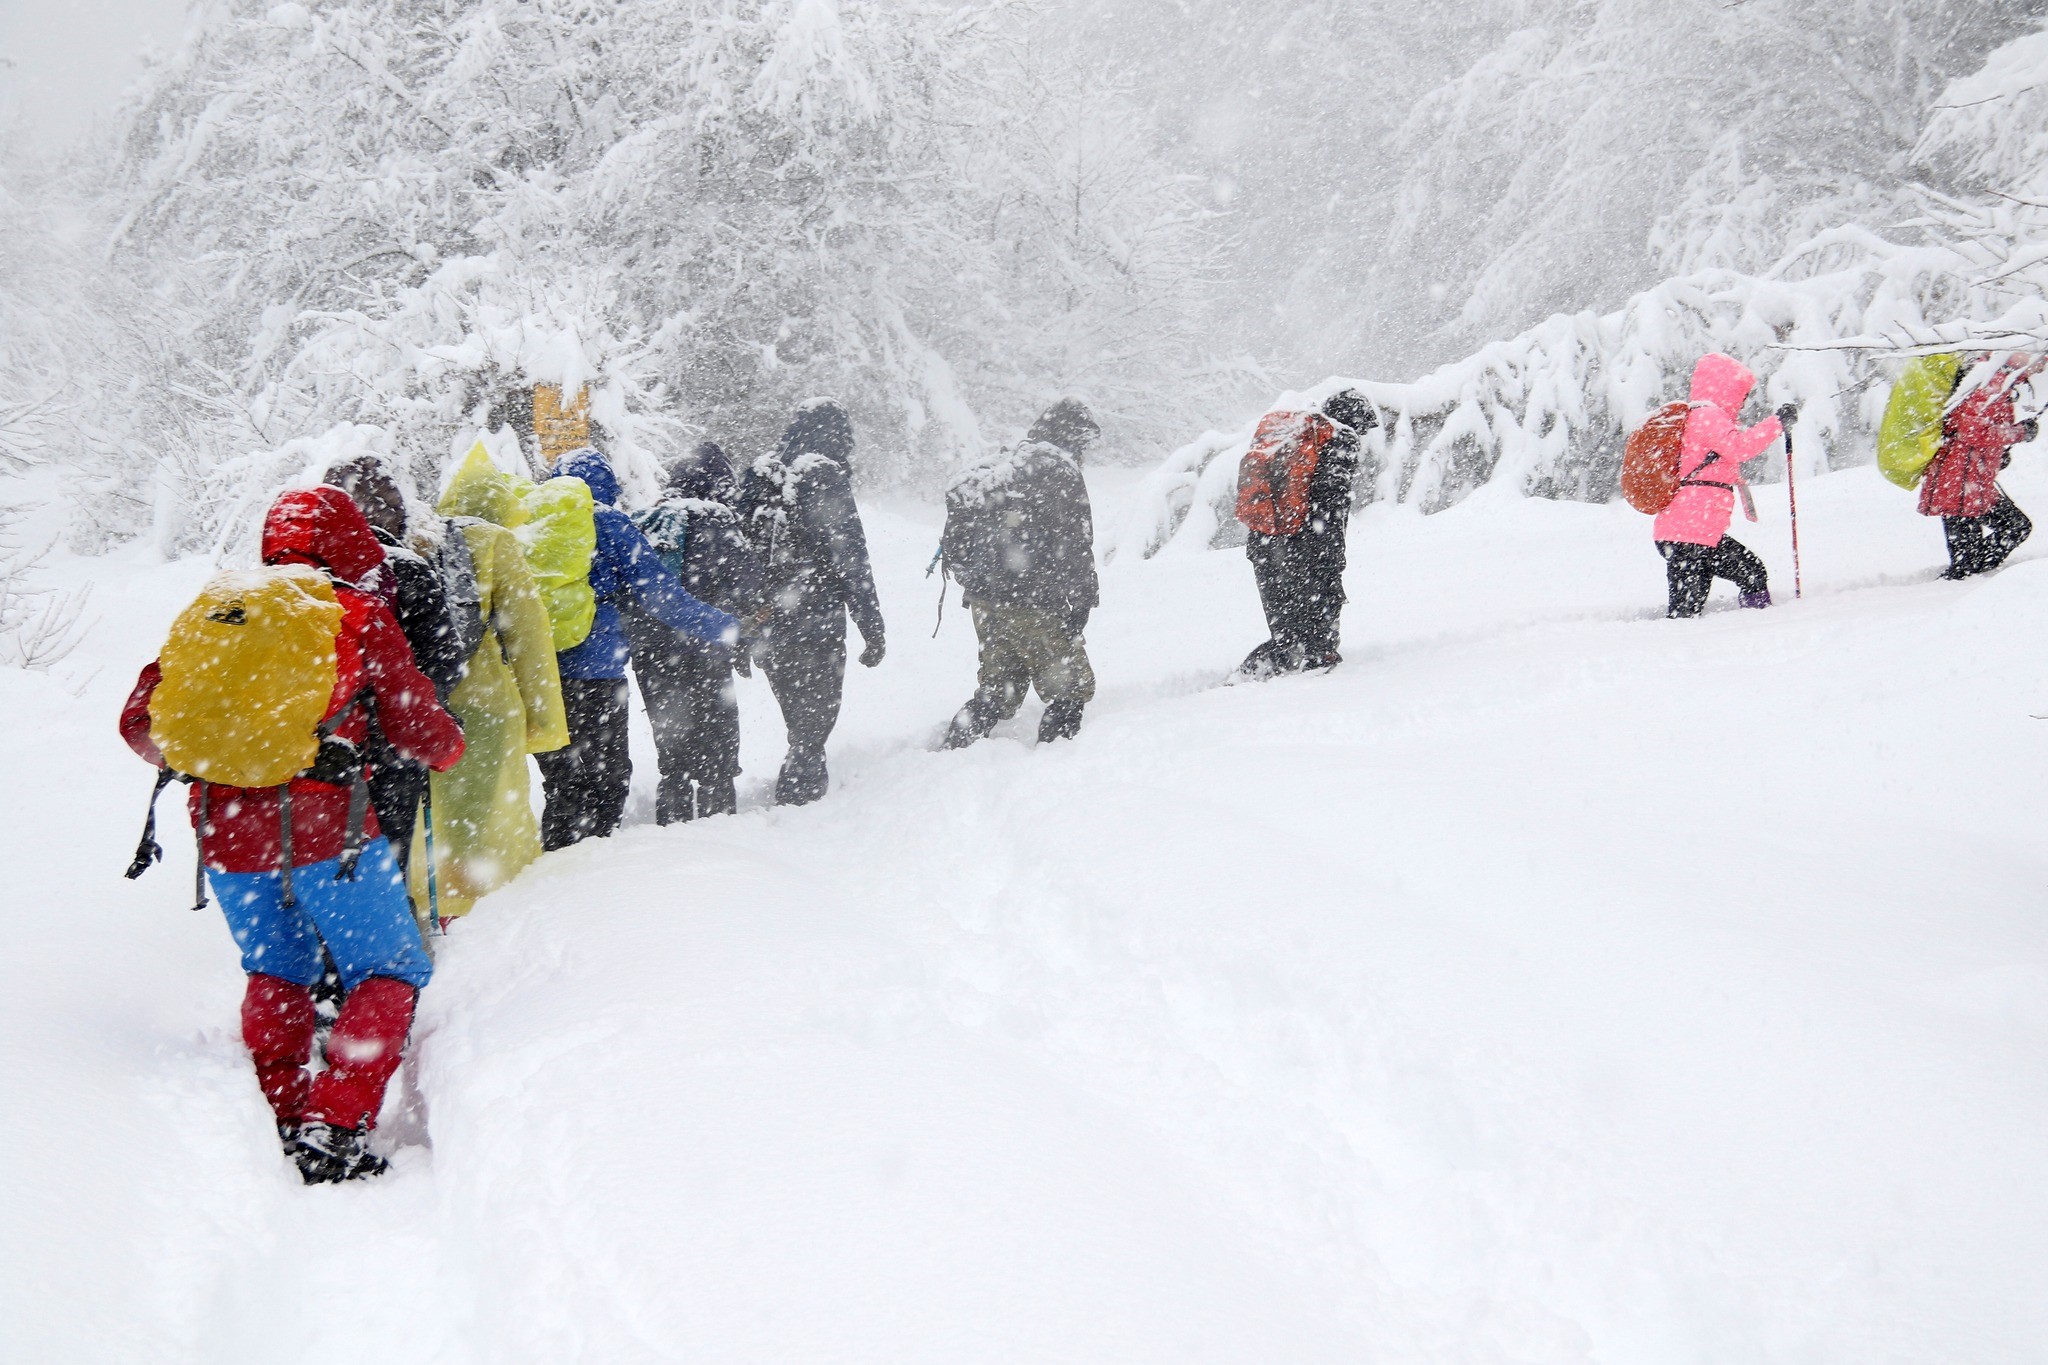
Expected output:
(1301, 587)
(1980, 544)
(586, 782)
(1690, 571)
(688, 691)
(806, 667)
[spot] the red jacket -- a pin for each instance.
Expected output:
(318, 526)
(1963, 480)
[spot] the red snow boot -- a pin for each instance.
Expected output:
(362, 1052)
(277, 1024)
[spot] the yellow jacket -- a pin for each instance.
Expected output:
(510, 705)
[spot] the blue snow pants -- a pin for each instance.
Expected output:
(367, 923)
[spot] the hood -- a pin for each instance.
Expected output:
(820, 427)
(590, 465)
(321, 526)
(480, 489)
(1067, 424)
(705, 475)
(1722, 381)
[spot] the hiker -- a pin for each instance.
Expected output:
(1978, 431)
(1692, 530)
(1020, 541)
(685, 683)
(800, 515)
(278, 857)
(587, 782)
(418, 597)
(509, 702)
(1296, 529)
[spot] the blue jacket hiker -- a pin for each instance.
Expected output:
(586, 783)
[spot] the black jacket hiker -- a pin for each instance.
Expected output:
(800, 515)
(1301, 577)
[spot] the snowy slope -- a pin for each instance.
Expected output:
(1550, 983)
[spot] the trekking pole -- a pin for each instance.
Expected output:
(1785, 416)
(432, 928)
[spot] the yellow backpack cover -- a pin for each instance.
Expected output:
(249, 671)
(559, 535)
(556, 524)
(1910, 436)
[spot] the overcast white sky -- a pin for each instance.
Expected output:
(70, 59)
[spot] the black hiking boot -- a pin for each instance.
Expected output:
(328, 1155)
(1062, 720)
(970, 724)
(1272, 660)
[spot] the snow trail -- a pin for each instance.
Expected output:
(1545, 984)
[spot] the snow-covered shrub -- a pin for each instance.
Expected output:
(39, 625)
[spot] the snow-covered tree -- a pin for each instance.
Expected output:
(397, 211)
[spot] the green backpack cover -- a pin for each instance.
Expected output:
(1910, 436)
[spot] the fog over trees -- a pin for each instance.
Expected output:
(395, 212)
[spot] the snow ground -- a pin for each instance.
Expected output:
(1551, 983)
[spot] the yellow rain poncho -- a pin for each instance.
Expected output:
(510, 705)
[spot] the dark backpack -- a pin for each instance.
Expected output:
(459, 589)
(1273, 478)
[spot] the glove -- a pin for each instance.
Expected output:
(1075, 621)
(337, 763)
(743, 659)
(2032, 426)
(872, 655)
(1788, 413)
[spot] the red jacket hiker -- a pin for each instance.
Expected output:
(321, 527)
(363, 922)
(1963, 480)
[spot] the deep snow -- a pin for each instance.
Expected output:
(1550, 983)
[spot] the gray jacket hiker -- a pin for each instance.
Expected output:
(1020, 541)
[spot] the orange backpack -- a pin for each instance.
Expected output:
(1273, 477)
(1649, 463)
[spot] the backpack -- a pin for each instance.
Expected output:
(248, 676)
(559, 535)
(774, 522)
(249, 672)
(1909, 437)
(1649, 462)
(1273, 477)
(459, 589)
(555, 522)
(667, 528)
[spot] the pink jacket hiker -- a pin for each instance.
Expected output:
(1713, 450)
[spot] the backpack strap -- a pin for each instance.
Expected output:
(199, 844)
(352, 841)
(147, 850)
(284, 844)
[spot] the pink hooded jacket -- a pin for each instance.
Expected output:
(1712, 451)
